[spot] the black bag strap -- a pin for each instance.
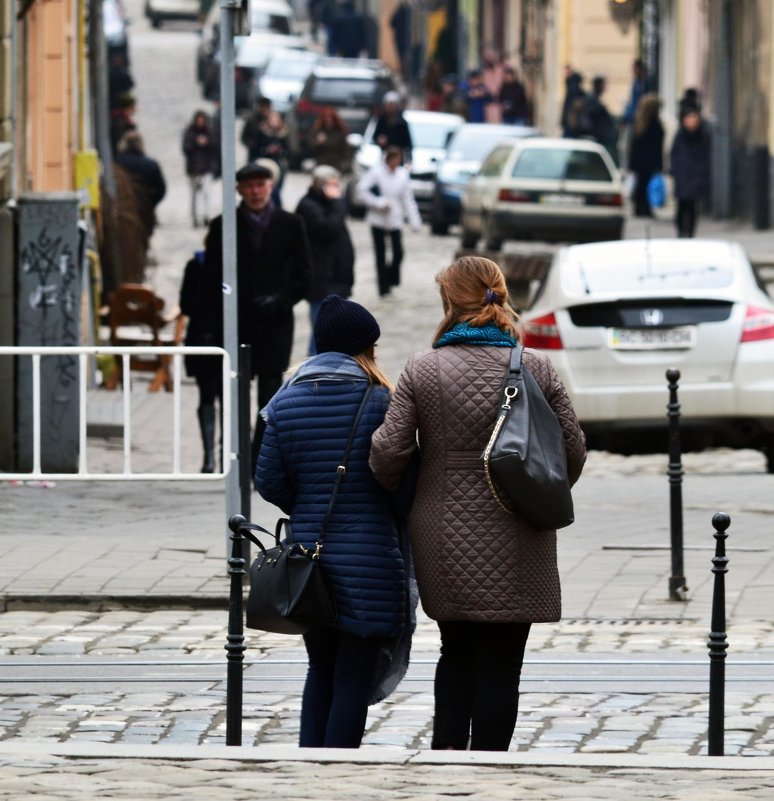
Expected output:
(246, 528)
(342, 468)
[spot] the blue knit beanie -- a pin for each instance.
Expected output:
(344, 326)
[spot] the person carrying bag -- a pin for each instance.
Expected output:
(484, 574)
(309, 422)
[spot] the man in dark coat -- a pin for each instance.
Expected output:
(391, 128)
(273, 268)
(603, 126)
(146, 175)
(333, 256)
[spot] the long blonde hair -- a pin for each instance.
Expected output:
(367, 360)
(464, 286)
(647, 110)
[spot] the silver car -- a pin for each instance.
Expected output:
(613, 317)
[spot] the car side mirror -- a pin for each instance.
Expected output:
(354, 140)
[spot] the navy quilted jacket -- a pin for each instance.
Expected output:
(308, 425)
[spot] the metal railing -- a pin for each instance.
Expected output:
(83, 353)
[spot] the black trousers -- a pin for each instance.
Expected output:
(338, 685)
(477, 684)
(267, 388)
(387, 275)
(685, 219)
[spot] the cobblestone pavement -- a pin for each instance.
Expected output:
(589, 687)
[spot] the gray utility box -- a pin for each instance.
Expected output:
(48, 313)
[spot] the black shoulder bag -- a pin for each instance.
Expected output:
(524, 461)
(289, 590)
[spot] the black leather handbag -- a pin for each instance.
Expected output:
(289, 590)
(524, 461)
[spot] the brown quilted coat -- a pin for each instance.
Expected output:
(473, 561)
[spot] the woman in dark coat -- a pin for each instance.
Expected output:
(646, 152)
(484, 575)
(200, 148)
(333, 256)
(308, 423)
(689, 163)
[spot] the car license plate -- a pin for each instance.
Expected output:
(562, 200)
(651, 338)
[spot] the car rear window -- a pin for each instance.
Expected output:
(347, 90)
(561, 165)
(276, 23)
(473, 145)
(636, 277)
(430, 135)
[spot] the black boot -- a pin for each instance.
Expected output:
(207, 427)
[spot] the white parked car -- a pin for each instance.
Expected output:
(613, 317)
(554, 190)
(430, 135)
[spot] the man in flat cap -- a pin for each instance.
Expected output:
(273, 273)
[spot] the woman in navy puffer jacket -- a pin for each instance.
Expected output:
(308, 424)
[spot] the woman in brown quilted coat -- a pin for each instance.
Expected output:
(484, 575)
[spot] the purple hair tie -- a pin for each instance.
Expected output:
(491, 296)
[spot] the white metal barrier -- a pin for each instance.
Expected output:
(126, 353)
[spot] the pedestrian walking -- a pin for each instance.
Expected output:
(270, 141)
(452, 99)
(147, 178)
(574, 106)
(641, 85)
(329, 140)
(646, 150)
(273, 268)
(386, 192)
(122, 119)
(689, 163)
(484, 575)
(513, 99)
(391, 127)
(206, 370)
(348, 32)
(252, 136)
(333, 256)
(200, 148)
(604, 130)
(477, 96)
(308, 423)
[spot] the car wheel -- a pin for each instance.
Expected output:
(469, 240)
(491, 242)
(438, 227)
(768, 450)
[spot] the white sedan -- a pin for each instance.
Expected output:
(554, 190)
(615, 316)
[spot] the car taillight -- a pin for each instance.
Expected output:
(512, 196)
(542, 333)
(758, 324)
(613, 199)
(307, 107)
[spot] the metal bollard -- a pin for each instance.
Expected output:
(717, 639)
(677, 589)
(235, 644)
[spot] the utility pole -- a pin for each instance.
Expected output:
(234, 20)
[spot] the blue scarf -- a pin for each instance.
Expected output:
(466, 334)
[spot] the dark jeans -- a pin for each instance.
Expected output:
(685, 219)
(642, 207)
(387, 275)
(267, 388)
(338, 685)
(477, 684)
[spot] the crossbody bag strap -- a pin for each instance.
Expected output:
(342, 468)
(513, 383)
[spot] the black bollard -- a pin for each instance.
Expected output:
(677, 589)
(246, 467)
(235, 645)
(717, 639)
